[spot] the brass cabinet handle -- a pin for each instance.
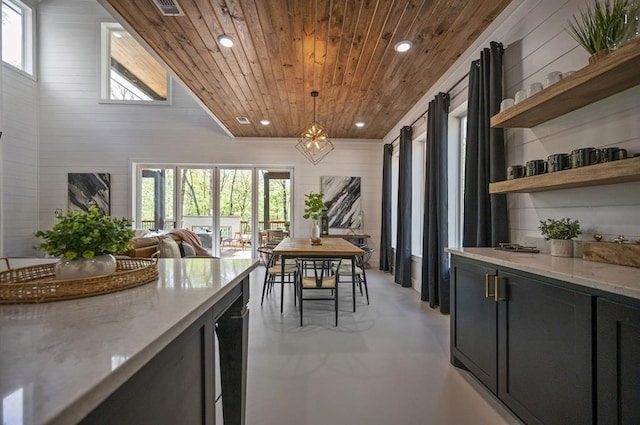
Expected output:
(496, 281)
(487, 294)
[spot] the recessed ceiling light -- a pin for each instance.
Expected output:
(265, 122)
(116, 34)
(402, 46)
(359, 124)
(225, 40)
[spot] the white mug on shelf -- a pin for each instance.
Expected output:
(506, 104)
(533, 89)
(520, 96)
(552, 78)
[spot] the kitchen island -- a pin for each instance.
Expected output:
(143, 355)
(554, 339)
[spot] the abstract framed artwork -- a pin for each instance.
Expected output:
(342, 198)
(86, 189)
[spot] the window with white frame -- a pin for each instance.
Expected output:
(17, 35)
(129, 74)
(418, 162)
(456, 165)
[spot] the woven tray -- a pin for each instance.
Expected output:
(37, 284)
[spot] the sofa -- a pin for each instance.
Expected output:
(173, 243)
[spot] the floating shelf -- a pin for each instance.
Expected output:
(612, 74)
(626, 170)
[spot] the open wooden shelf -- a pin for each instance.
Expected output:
(612, 74)
(626, 170)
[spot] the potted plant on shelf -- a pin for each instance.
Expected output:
(560, 232)
(600, 27)
(313, 209)
(86, 241)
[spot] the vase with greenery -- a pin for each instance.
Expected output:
(314, 207)
(560, 232)
(600, 27)
(86, 241)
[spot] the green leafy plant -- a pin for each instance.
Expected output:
(560, 229)
(313, 206)
(80, 234)
(600, 26)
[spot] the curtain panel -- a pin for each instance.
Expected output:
(403, 241)
(386, 252)
(485, 216)
(435, 262)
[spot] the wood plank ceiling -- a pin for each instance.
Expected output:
(284, 49)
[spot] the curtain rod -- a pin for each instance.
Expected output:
(425, 112)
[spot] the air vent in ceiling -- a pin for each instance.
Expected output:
(243, 120)
(169, 7)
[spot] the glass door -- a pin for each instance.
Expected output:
(274, 203)
(157, 202)
(196, 201)
(235, 212)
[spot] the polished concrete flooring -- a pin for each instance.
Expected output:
(386, 364)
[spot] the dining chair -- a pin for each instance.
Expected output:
(344, 270)
(315, 274)
(273, 271)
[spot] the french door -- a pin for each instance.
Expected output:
(229, 208)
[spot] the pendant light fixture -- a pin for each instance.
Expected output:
(314, 141)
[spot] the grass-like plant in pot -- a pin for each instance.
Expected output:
(600, 27)
(560, 232)
(313, 209)
(86, 241)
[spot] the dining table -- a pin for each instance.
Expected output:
(291, 248)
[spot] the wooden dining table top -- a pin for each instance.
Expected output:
(329, 248)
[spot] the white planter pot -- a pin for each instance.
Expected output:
(315, 230)
(562, 248)
(79, 268)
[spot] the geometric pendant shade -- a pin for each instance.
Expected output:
(314, 141)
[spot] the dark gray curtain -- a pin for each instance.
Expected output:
(435, 262)
(485, 216)
(403, 241)
(386, 253)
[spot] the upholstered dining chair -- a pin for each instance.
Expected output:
(315, 274)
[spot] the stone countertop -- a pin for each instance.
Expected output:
(612, 278)
(59, 360)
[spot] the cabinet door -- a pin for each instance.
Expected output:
(473, 323)
(545, 351)
(618, 365)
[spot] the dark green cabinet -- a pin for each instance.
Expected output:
(618, 363)
(528, 340)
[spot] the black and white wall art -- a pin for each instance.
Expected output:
(342, 198)
(90, 188)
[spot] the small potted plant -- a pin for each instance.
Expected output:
(600, 27)
(313, 209)
(86, 241)
(560, 232)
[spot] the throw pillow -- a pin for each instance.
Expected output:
(168, 248)
(189, 251)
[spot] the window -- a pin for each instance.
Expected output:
(129, 74)
(17, 35)
(456, 165)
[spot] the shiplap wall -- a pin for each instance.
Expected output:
(535, 40)
(19, 155)
(80, 135)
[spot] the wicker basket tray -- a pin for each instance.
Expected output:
(37, 284)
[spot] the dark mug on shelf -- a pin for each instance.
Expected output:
(558, 162)
(515, 172)
(613, 154)
(535, 167)
(585, 156)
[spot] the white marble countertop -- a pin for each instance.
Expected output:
(59, 360)
(620, 280)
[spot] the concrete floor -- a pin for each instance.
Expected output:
(386, 364)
